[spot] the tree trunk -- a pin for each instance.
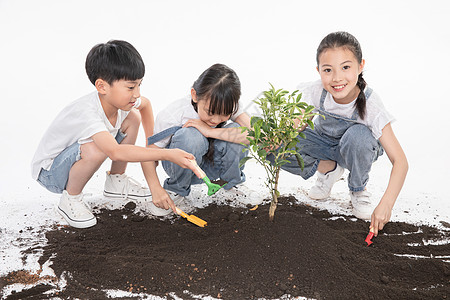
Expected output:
(273, 204)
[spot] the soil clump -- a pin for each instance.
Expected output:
(242, 255)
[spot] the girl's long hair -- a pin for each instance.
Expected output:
(345, 39)
(221, 85)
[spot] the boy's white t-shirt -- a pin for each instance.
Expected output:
(178, 113)
(77, 122)
(376, 118)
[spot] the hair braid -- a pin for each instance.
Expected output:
(361, 100)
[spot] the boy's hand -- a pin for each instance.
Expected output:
(182, 158)
(161, 199)
(380, 216)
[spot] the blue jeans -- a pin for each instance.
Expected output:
(356, 150)
(225, 163)
(55, 179)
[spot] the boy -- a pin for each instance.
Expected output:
(99, 125)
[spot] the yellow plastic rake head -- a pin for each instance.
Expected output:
(191, 218)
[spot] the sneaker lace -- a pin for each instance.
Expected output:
(363, 197)
(79, 204)
(130, 183)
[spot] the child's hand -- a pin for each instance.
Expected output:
(161, 199)
(181, 158)
(380, 216)
(200, 125)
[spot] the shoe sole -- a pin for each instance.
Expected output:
(361, 216)
(121, 196)
(77, 224)
(319, 198)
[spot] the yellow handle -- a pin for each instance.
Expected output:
(181, 213)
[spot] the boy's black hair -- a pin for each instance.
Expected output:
(114, 60)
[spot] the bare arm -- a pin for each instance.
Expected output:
(149, 168)
(147, 117)
(132, 153)
(233, 135)
(160, 197)
(394, 151)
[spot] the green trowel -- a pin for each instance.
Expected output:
(212, 187)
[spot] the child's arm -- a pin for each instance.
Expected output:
(132, 153)
(160, 197)
(233, 135)
(394, 151)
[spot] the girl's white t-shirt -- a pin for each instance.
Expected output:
(376, 118)
(178, 113)
(77, 122)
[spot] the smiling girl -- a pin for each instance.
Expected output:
(207, 123)
(355, 131)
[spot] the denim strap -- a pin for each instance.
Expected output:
(162, 135)
(367, 93)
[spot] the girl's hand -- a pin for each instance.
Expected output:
(380, 216)
(161, 199)
(201, 126)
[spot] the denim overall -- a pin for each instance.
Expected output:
(225, 163)
(339, 139)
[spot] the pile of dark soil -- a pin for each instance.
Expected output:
(241, 255)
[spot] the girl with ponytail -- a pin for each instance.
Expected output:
(354, 131)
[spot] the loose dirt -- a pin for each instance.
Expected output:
(242, 255)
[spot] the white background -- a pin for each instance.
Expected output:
(43, 46)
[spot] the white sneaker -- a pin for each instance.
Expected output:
(180, 202)
(75, 211)
(242, 194)
(122, 186)
(363, 207)
(324, 183)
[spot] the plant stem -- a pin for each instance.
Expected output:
(274, 203)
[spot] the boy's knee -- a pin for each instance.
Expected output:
(90, 152)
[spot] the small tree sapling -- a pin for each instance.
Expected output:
(276, 133)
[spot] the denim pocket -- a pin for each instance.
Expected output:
(45, 179)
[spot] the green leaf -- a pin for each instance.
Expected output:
(244, 160)
(292, 144)
(262, 153)
(300, 161)
(254, 120)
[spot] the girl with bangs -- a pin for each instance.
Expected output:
(205, 123)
